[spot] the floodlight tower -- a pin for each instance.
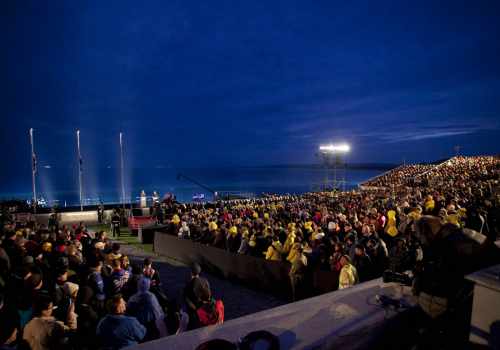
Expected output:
(332, 156)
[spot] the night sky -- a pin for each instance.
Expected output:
(216, 83)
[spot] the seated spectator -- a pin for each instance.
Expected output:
(116, 330)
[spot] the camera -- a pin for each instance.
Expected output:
(402, 278)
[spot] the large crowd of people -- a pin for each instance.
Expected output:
(356, 234)
(68, 288)
(48, 277)
(401, 175)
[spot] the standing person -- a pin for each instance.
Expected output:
(192, 294)
(118, 277)
(116, 330)
(87, 318)
(297, 274)
(115, 224)
(143, 199)
(145, 307)
(44, 331)
(348, 274)
(156, 287)
(96, 283)
(274, 250)
(53, 221)
(100, 212)
(133, 281)
(363, 264)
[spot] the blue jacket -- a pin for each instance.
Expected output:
(119, 331)
(97, 284)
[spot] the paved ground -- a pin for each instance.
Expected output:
(238, 300)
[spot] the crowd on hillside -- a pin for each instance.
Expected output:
(401, 175)
(67, 288)
(62, 287)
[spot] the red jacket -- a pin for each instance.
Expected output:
(212, 313)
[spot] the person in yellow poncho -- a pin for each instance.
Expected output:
(455, 217)
(274, 250)
(294, 249)
(348, 274)
(176, 220)
(297, 274)
(290, 240)
(415, 213)
(390, 227)
(212, 226)
(429, 204)
(268, 231)
(233, 231)
(308, 226)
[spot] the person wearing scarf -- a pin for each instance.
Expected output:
(211, 311)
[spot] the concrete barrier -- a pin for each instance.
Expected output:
(345, 319)
(271, 276)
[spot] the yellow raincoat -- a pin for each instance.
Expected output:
(274, 251)
(348, 276)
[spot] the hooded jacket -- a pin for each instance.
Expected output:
(348, 276)
(144, 305)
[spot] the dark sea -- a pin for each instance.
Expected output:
(60, 186)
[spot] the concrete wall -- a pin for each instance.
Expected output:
(74, 217)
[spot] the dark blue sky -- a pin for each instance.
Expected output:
(249, 82)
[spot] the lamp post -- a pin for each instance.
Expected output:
(331, 155)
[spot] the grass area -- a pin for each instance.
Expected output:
(125, 237)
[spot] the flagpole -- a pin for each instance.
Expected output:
(80, 170)
(33, 170)
(121, 170)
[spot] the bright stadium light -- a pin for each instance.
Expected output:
(335, 148)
